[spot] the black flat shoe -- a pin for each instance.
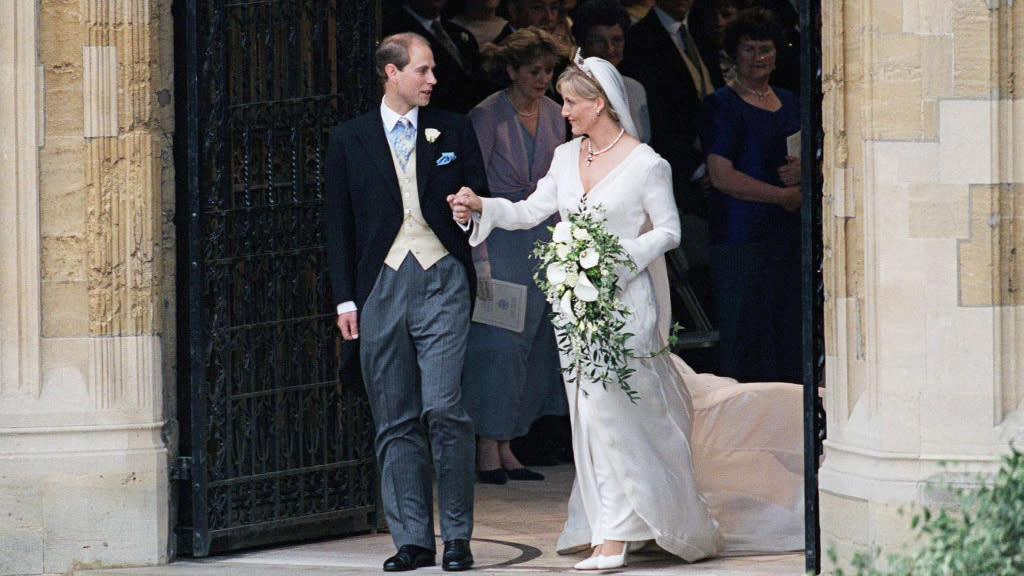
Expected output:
(457, 556)
(410, 557)
(496, 476)
(523, 474)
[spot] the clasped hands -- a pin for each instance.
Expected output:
(463, 204)
(789, 174)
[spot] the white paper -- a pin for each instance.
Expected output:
(793, 144)
(505, 309)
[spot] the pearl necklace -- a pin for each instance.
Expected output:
(760, 94)
(590, 147)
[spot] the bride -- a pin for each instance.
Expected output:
(635, 479)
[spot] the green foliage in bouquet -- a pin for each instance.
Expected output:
(578, 274)
(984, 535)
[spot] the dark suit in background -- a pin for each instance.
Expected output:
(673, 99)
(461, 82)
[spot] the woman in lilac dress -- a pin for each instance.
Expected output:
(511, 378)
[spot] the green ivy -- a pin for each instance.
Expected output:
(982, 536)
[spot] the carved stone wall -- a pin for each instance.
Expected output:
(925, 136)
(87, 225)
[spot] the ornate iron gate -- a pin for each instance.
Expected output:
(280, 443)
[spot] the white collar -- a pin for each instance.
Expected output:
(670, 23)
(423, 21)
(390, 117)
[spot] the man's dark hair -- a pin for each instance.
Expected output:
(395, 50)
(598, 13)
(758, 24)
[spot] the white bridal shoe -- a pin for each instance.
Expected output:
(588, 563)
(608, 562)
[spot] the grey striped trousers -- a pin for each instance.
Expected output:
(412, 332)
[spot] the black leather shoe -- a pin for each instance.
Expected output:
(457, 556)
(524, 474)
(410, 557)
(496, 476)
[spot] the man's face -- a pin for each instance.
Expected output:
(605, 42)
(412, 85)
(540, 13)
(677, 9)
(719, 19)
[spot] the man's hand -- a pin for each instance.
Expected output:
(464, 203)
(460, 204)
(789, 172)
(348, 323)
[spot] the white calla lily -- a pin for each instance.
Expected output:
(584, 290)
(580, 233)
(589, 259)
(565, 307)
(562, 251)
(562, 232)
(556, 273)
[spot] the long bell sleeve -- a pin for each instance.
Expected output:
(660, 207)
(522, 215)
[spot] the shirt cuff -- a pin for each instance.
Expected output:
(346, 307)
(699, 172)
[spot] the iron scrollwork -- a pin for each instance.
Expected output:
(281, 444)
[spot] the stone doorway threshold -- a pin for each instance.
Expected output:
(516, 527)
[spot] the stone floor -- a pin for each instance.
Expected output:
(516, 528)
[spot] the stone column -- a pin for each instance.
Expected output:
(924, 325)
(86, 176)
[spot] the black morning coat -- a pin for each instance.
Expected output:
(362, 210)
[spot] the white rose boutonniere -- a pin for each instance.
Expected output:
(431, 134)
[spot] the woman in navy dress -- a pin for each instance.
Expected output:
(512, 378)
(754, 209)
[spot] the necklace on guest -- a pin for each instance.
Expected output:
(760, 94)
(536, 108)
(590, 147)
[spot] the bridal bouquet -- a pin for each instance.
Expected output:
(578, 275)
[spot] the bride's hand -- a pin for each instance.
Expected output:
(464, 204)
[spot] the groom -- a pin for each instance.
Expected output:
(402, 276)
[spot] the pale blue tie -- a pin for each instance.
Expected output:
(403, 140)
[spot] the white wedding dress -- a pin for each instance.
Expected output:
(746, 493)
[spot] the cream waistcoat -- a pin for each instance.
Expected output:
(415, 234)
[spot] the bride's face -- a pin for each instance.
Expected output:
(580, 112)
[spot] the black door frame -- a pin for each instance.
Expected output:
(812, 288)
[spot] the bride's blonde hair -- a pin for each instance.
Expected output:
(579, 82)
